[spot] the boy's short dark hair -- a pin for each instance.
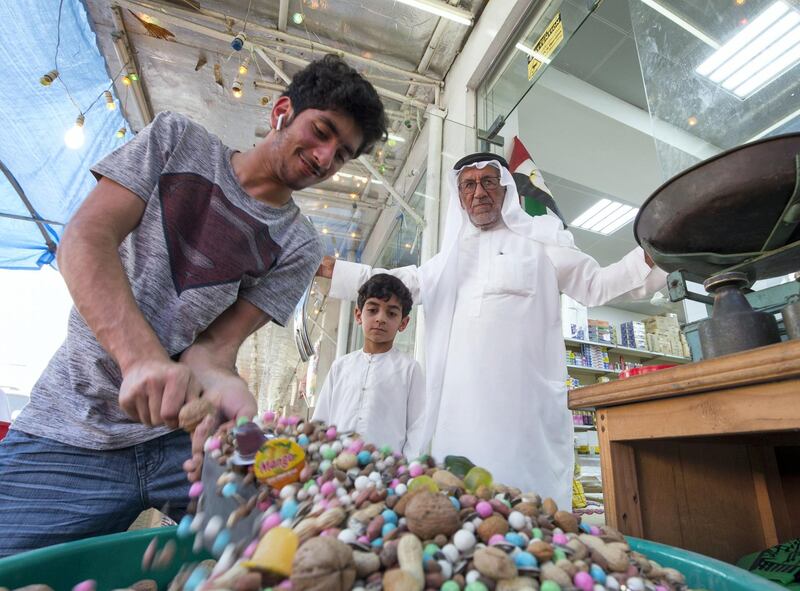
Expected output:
(329, 84)
(383, 286)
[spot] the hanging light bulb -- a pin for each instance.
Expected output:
(134, 77)
(243, 66)
(236, 88)
(121, 132)
(47, 79)
(298, 18)
(110, 104)
(74, 137)
(238, 42)
(126, 80)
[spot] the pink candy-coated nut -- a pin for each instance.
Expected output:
(250, 550)
(263, 506)
(271, 521)
(325, 504)
(286, 585)
(416, 470)
(269, 416)
(358, 444)
(661, 588)
(363, 539)
(496, 539)
(594, 530)
(584, 581)
(395, 483)
(484, 509)
(328, 488)
(294, 419)
(560, 539)
(214, 443)
(195, 490)
(283, 421)
(402, 470)
(89, 585)
(331, 433)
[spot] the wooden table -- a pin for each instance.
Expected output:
(705, 456)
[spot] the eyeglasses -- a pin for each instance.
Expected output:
(489, 183)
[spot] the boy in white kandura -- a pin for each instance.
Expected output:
(378, 391)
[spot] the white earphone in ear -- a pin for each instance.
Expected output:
(279, 125)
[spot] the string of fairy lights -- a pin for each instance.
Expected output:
(74, 138)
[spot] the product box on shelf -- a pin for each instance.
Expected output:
(574, 319)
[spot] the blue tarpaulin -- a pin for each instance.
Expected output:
(54, 178)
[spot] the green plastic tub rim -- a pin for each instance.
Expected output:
(114, 562)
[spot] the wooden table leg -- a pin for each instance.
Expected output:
(620, 485)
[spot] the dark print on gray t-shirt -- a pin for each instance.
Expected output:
(194, 254)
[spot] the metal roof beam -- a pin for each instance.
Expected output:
(165, 10)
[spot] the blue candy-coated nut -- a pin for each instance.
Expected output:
(456, 504)
(516, 539)
(197, 578)
(184, 527)
(377, 543)
(390, 492)
(222, 541)
(237, 44)
(364, 457)
(525, 559)
(389, 516)
(289, 509)
(229, 490)
(598, 574)
(387, 527)
(585, 528)
(302, 440)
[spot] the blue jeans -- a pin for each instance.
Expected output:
(51, 492)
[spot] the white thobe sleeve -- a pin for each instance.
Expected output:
(348, 277)
(415, 415)
(583, 279)
(322, 411)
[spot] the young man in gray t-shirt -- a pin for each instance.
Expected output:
(182, 250)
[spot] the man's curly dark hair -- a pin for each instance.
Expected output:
(383, 286)
(329, 84)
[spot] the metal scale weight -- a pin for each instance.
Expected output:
(727, 222)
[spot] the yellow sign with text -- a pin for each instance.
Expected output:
(551, 38)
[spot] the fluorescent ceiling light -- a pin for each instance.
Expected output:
(758, 54)
(605, 217)
(534, 54)
(681, 22)
(395, 137)
(440, 8)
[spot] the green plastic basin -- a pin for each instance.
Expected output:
(115, 562)
(701, 571)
